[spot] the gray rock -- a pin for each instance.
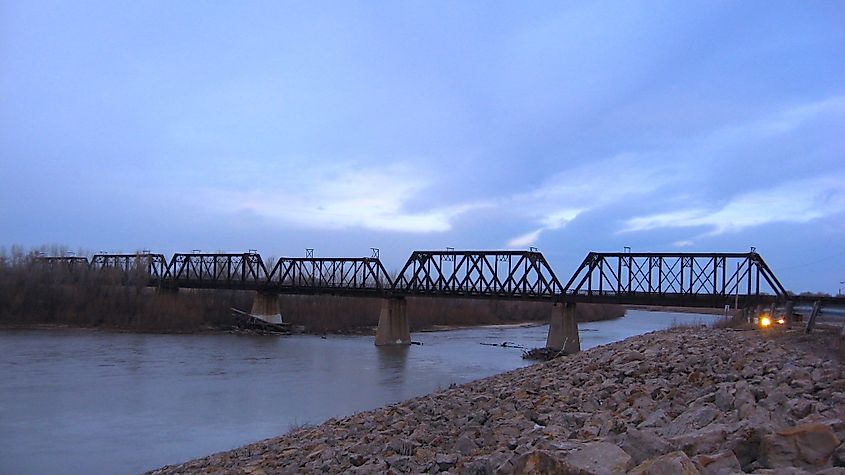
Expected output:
(656, 419)
(781, 471)
(599, 458)
(673, 463)
(832, 471)
(538, 462)
(403, 446)
(839, 456)
(717, 464)
(642, 445)
(464, 445)
(799, 408)
(692, 419)
(401, 463)
(724, 398)
(808, 446)
(702, 441)
(445, 461)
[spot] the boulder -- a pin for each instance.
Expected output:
(401, 463)
(644, 444)
(799, 408)
(839, 456)
(724, 397)
(591, 458)
(781, 471)
(599, 458)
(692, 419)
(808, 446)
(717, 464)
(673, 463)
(656, 419)
(534, 462)
(445, 461)
(465, 445)
(702, 441)
(403, 446)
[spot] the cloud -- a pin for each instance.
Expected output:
(782, 122)
(674, 172)
(570, 193)
(344, 197)
(396, 197)
(797, 201)
(551, 221)
(525, 240)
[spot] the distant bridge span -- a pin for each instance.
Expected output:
(663, 279)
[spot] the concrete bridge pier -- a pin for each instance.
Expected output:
(788, 310)
(265, 306)
(563, 329)
(393, 328)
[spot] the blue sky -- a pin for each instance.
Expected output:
(277, 126)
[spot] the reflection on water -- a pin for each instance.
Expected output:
(392, 364)
(76, 401)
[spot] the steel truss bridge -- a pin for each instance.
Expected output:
(664, 279)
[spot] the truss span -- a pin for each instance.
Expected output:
(335, 275)
(683, 279)
(509, 274)
(244, 271)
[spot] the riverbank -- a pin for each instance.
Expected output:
(705, 311)
(678, 401)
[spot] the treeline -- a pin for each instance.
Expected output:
(34, 293)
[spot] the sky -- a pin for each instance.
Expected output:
(340, 126)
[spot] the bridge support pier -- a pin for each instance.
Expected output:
(265, 306)
(393, 328)
(788, 311)
(563, 329)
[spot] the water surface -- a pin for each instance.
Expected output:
(81, 401)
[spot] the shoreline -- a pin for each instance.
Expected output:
(355, 331)
(694, 310)
(443, 328)
(697, 399)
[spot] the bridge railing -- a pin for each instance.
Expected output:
(309, 274)
(675, 275)
(514, 274)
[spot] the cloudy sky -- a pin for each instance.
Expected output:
(662, 126)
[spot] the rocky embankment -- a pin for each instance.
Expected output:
(683, 401)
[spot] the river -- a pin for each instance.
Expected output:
(85, 401)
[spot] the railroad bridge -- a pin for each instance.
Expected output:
(741, 280)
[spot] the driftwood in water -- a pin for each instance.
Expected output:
(542, 354)
(243, 321)
(504, 344)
